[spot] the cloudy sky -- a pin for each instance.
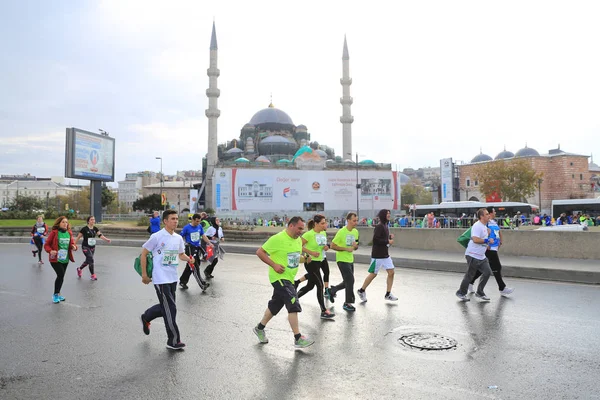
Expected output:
(431, 79)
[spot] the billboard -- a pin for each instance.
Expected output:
(89, 156)
(447, 173)
(246, 189)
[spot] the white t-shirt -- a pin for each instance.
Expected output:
(165, 250)
(477, 250)
(210, 232)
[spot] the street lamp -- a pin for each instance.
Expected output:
(161, 181)
(357, 187)
(540, 192)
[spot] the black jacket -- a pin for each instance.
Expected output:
(381, 236)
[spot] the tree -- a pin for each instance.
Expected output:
(415, 194)
(148, 203)
(25, 203)
(512, 180)
(108, 196)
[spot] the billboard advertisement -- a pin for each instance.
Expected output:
(447, 173)
(89, 156)
(247, 189)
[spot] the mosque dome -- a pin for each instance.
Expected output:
(321, 154)
(527, 152)
(301, 128)
(302, 150)
(262, 159)
(271, 115)
(481, 158)
(504, 155)
(276, 145)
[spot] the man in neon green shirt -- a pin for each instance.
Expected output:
(283, 253)
(345, 243)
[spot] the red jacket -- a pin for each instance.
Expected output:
(52, 244)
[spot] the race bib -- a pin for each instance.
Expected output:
(91, 242)
(41, 230)
(293, 260)
(321, 240)
(62, 255)
(170, 257)
(195, 236)
(349, 240)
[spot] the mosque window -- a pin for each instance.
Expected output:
(580, 177)
(476, 183)
(468, 182)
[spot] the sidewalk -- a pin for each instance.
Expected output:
(552, 269)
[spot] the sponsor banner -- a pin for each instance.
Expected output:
(446, 170)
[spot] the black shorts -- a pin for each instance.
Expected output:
(284, 293)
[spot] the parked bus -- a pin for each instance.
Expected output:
(590, 207)
(469, 208)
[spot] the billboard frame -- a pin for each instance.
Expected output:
(70, 149)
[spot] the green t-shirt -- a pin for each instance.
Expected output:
(315, 242)
(345, 238)
(64, 241)
(285, 251)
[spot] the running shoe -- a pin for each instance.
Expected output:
(40, 262)
(482, 297)
(60, 298)
(327, 315)
(331, 295)
(303, 342)
(471, 289)
(33, 252)
(260, 334)
(348, 307)
(93, 277)
(362, 294)
(204, 285)
(462, 297)
(145, 325)
(55, 299)
(391, 297)
(176, 346)
(183, 285)
(78, 272)
(507, 290)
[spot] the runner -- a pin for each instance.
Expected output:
(476, 259)
(88, 246)
(282, 253)
(345, 243)
(492, 255)
(215, 234)
(166, 247)
(314, 243)
(380, 257)
(60, 245)
(192, 233)
(38, 233)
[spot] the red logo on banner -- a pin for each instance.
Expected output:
(494, 197)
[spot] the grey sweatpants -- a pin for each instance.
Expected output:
(475, 265)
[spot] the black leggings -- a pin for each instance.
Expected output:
(89, 258)
(314, 279)
(60, 270)
(38, 243)
(196, 253)
(494, 260)
(325, 269)
(209, 270)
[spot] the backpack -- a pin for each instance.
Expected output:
(464, 239)
(137, 264)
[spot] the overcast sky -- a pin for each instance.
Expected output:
(431, 79)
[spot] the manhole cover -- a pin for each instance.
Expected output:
(428, 341)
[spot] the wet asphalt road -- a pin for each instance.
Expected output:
(543, 343)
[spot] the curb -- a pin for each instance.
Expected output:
(512, 271)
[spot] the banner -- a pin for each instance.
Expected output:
(447, 174)
(163, 199)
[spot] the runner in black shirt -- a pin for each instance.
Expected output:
(89, 234)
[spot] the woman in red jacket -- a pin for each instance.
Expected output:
(60, 244)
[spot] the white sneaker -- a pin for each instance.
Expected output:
(471, 289)
(362, 295)
(391, 297)
(482, 297)
(507, 290)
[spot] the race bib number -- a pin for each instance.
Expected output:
(195, 236)
(293, 260)
(170, 257)
(62, 255)
(91, 242)
(349, 240)
(321, 240)
(41, 230)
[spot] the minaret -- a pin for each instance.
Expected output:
(346, 101)
(212, 114)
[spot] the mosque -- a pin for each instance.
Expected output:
(274, 166)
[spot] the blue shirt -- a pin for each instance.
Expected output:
(494, 234)
(154, 224)
(192, 234)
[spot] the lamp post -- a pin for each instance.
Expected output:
(357, 187)
(540, 192)
(161, 181)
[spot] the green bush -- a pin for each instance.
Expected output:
(143, 221)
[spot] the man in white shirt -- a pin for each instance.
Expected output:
(167, 249)
(476, 259)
